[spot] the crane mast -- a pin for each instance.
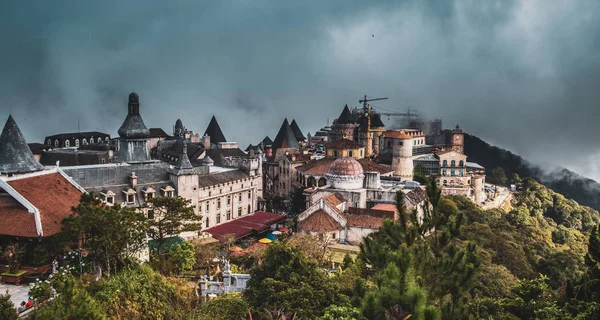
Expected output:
(367, 113)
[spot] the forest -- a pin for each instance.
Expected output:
(538, 260)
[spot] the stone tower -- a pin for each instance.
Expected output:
(457, 137)
(402, 161)
(478, 183)
(133, 134)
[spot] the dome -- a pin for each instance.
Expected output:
(133, 97)
(345, 174)
(345, 167)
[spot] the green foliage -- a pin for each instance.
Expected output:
(113, 234)
(182, 256)
(288, 279)
(141, 293)
(172, 216)
(226, 307)
(7, 308)
(335, 312)
(72, 303)
(534, 299)
(498, 176)
(13, 254)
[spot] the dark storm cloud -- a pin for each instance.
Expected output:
(522, 75)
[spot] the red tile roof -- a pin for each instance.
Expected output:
(319, 167)
(51, 194)
(319, 221)
(260, 221)
(364, 221)
(385, 207)
(333, 200)
(16, 220)
(373, 212)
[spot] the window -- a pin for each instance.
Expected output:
(106, 139)
(230, 188)
(102, 160)
(335, 153)
(56, 143)
(130, 198)
(210, 193)
(207, 223)
(218, 218)
(207, 206)
(361, 153)
(228, 215)
(84, 141)
(77, 143)
(350, 153)
(452, 173)
(461, 172)
(219, 203)
(221, 191)
(239, 211)
(249, 210)
(149, 195)
(67, 143)
(333, 235)
(249, 195)
(49, 142)
(150, 214)
(169, 194)
(240, 197)
(228, 200)
(445, 163)
(453, 163)
(445, 182)
(461, 163)
(110, 200)
(389, 145)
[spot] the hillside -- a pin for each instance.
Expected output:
(568, 183)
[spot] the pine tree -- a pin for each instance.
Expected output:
(7, 308)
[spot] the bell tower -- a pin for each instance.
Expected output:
(457, 139)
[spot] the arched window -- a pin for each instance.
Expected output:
(84, 141)
(49, 142)
(322, 182)
(56, 143)
(77, 143)
(350, 153)
(461, 163)
(453, 163)
(445, 182)
(389, 144)
(335, 153)
(207, 223)
(452, 173)
(67, 143)
(445, 163)
(92, 140)
(106, 139)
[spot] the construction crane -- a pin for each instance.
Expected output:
(367, 113)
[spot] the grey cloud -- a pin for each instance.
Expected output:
(519, 74)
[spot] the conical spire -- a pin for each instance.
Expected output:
(297, 132)
(214, 131)
(15, 155)
(184, 161)
(345, 117)
(285, 137)
(267, 141)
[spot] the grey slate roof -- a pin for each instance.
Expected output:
(285, 137)
(15, 154)
(118, 174)
(346, 116)
(217, 155)
(297, 132)
(158, 133)
(221, 177)
(267, 141)
(133, 127)
(214, 131)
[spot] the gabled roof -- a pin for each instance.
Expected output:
(319, 221)
(15, 154)
(345, 117)
(214, 131)
(285, 137)
(51, 194)
(297, 132)
(257, 222)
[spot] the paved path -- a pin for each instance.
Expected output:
(17, 293)
(498, 202)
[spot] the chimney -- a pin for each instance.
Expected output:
(206, 141)
(134, 180)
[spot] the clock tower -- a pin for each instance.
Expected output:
(457, 141)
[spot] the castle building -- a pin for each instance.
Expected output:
(218, 193)
(345, 148)
(76, 139)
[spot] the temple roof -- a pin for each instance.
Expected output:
(15, 154)
(285, 137)
(133, 127)
(297, 132)
(214, 132)
(345, 117)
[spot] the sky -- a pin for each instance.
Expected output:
(522, 75)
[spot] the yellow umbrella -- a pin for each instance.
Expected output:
(264, 240)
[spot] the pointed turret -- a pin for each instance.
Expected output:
(297, 132)
(345, 117)
(15, 154)
(214, 131)
(184, 161)
(267, 141)
(285, 137)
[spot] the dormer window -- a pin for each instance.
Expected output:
(148, 193)
(84, 141)
(56, 143)
(129, 195)
(108, 197)
(49, 142)
(167, 191)
(106, 139)
(67, 143)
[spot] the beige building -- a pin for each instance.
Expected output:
(345, 148)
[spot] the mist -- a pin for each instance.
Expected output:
(521, 75)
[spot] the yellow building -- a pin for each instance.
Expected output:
(345, 148)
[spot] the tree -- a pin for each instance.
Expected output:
(12, 253)
(181, 256)
(288, 279)
(72, 303)
(172, 216)
(229, 306)
(7, 308)
(314, 247)
(335, 312)
(498, 176)
(111, 234)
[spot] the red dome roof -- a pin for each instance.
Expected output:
(345, 167)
